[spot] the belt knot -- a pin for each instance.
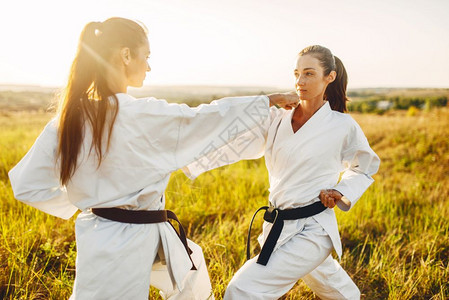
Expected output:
(277, 216)
(271, 214)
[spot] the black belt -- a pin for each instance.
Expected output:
(277, 217)
(144, 217)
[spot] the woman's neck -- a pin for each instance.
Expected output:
(305, 110)
(308, 108)
(115, 89)
(116, 80)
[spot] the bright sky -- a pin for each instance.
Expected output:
(383, 43)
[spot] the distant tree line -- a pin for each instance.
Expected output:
(364, 101)
(380, 104)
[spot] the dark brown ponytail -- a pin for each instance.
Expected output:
(335, 92)
(88, 100)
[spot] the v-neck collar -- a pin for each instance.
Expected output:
(287, 138)
(319, 114)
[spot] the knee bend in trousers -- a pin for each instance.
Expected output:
(233, 291)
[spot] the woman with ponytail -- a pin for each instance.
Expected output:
(111, 156)
(306, 150)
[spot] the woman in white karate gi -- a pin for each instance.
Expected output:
(305, 151)
(111, 156)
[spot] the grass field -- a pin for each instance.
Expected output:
(395, 240)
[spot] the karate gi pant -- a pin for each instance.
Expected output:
(196, 284)
(306, 255)
(119, 261)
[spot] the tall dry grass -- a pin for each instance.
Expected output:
(395, 240)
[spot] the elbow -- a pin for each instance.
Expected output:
(374, 165)
(24, 195)
(189, 173)
(19, 189)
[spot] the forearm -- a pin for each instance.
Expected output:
(284, 100)
(351, 187)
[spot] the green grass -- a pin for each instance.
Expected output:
(395, 240)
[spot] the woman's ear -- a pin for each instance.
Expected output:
(125, 55)
(331, 77)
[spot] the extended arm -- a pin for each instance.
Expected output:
(241, 136)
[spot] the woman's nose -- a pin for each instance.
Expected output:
(299, 81)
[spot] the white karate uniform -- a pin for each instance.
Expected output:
(300, 165)
(150, 140)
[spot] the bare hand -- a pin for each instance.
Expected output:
(285, 100)
(330, 197)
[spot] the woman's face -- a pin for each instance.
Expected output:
(138, 66)
(310, 82)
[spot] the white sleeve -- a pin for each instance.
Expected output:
(242, 135)
(35, 179)
(360, 163)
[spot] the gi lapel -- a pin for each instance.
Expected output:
(294, 143)
(271, 137)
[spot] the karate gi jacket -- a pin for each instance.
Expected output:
(150, 139)
(329, 151)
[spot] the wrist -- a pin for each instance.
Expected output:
(273, 100)
(337, 191)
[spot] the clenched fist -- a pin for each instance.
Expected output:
(330, 197)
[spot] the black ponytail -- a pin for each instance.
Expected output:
(335, 92)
